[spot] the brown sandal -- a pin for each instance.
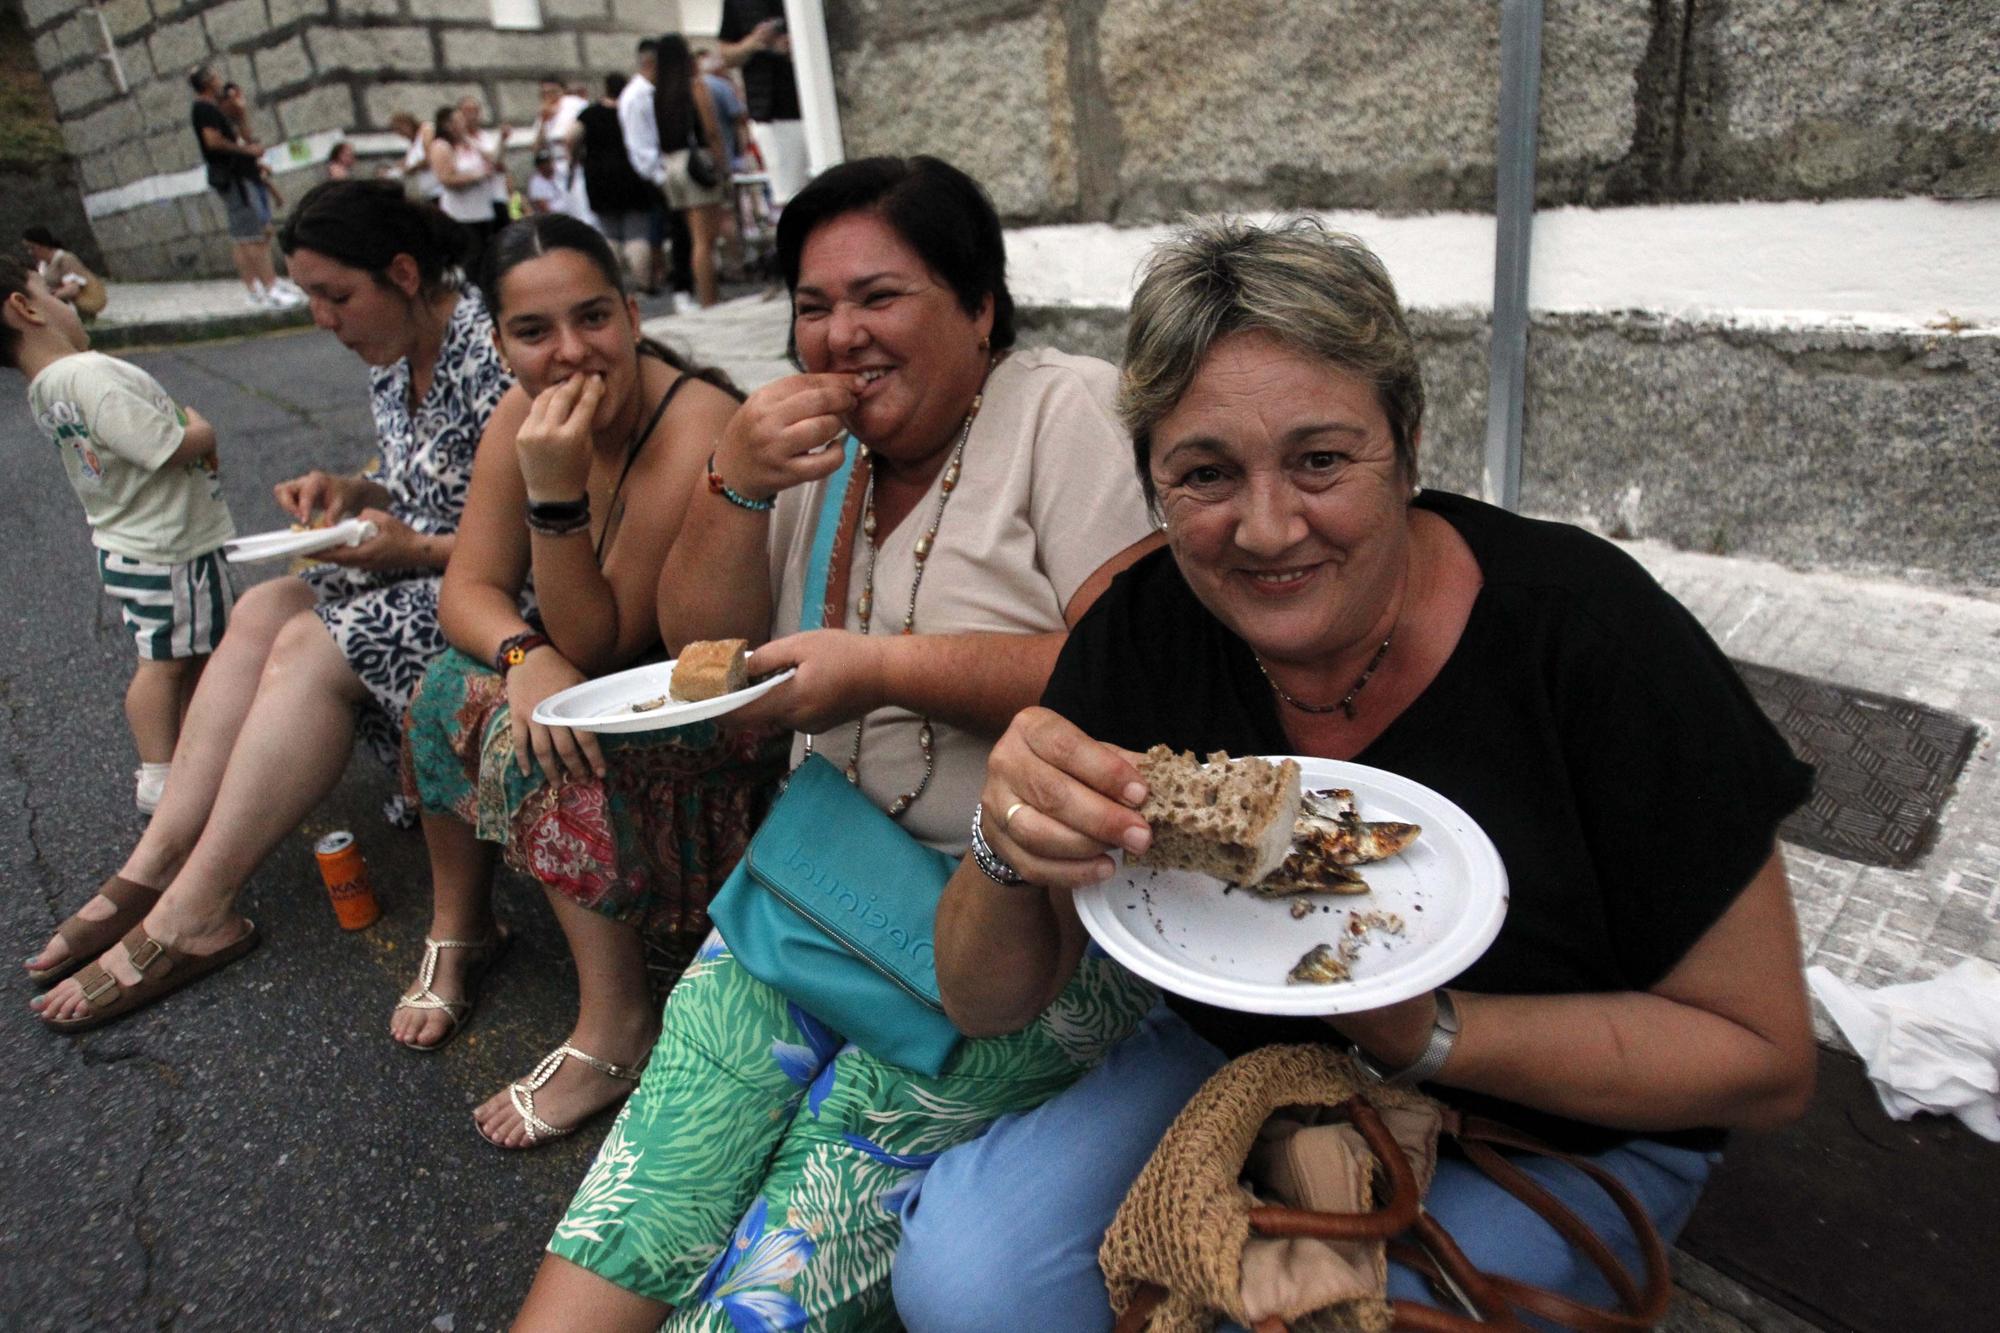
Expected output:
(162, 971)
(87, 939)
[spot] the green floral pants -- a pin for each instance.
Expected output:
(756, 1178)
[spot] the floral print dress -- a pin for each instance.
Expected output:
(648, 844)
(756, 1179)
(385, 622)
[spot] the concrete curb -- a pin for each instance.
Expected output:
(195, 328)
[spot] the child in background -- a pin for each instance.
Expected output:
(545, 193)
(146, 473)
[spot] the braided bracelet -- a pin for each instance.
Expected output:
(559, 518)
(717, 486)
(987, 859)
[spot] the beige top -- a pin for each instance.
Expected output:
(1046, 495)
(115, 427)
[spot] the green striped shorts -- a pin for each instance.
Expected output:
(172, 610)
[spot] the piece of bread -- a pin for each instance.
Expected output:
(1230, 818)
(708, 668)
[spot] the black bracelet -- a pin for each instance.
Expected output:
(559, 518)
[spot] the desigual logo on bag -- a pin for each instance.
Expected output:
(837, 899)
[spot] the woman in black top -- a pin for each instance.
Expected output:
(1644, 993)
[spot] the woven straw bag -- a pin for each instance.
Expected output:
(1304, 1245)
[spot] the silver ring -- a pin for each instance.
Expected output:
(1007, 818)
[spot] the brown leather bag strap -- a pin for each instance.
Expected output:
(1560, 1218)
(1401, 1210)
(1140, 1312)
(1645, 1308)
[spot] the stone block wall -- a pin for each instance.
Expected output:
(1810, 445)
(1136, 110)
(307, 66)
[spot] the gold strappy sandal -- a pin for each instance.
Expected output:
(522, 1093)
(457, 1011)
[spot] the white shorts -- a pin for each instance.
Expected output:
(172, 611)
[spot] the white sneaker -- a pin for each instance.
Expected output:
(280, 299)
(258, 298)
(149, 784)
(289, 288)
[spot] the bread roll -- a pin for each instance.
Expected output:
(1230, 818)
(709, 668)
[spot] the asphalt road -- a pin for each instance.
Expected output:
(253, 1152)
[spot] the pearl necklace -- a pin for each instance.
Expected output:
(1346, 705)
(865, 608)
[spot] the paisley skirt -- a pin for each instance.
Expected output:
(649, 844)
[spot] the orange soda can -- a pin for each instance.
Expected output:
(347, 883)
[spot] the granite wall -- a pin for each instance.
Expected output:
(1134, 110)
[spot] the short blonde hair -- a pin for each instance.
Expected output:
(1318, 291)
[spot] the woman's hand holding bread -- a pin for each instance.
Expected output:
(773, 443)
(330, 497)
(1056, 802)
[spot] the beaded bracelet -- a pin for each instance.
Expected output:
(987, 859)
(717, 486)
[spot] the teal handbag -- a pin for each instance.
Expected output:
(833, 904)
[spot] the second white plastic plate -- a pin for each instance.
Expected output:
(1183, 932)
(606, 704)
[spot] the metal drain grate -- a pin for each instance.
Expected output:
(1886, 765)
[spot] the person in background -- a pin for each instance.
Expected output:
(555, 117)
(145, 470)
(464, 174)
(685, 118)
(545, 192)
(493, 145)
(340, 161)
(754, 40)
(620, 199)
(66, 275)
(639, 124)
(732, 123)
(234, 173)
(312, 663)
(415, 168)
(237, 108)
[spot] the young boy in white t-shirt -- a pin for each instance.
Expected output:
(146, 473)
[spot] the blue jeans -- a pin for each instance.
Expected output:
(1002, 1233)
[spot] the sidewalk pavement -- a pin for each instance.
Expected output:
(149, 314)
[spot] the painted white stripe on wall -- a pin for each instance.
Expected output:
(1898, 265)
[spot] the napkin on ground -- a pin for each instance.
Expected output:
(1929, 1045)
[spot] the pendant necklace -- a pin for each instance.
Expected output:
(1346, 705)
(865, 608)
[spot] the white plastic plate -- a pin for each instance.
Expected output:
(283, 542)
(1182, 932)
(605, 704)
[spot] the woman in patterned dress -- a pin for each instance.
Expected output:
(308, 663)
(754, 1179)
(629, 835)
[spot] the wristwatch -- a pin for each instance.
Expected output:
(514, 650)
(1444, 1035)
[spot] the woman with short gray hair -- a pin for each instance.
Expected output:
(1643, 995)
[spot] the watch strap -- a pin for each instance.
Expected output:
(1437, 1049)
